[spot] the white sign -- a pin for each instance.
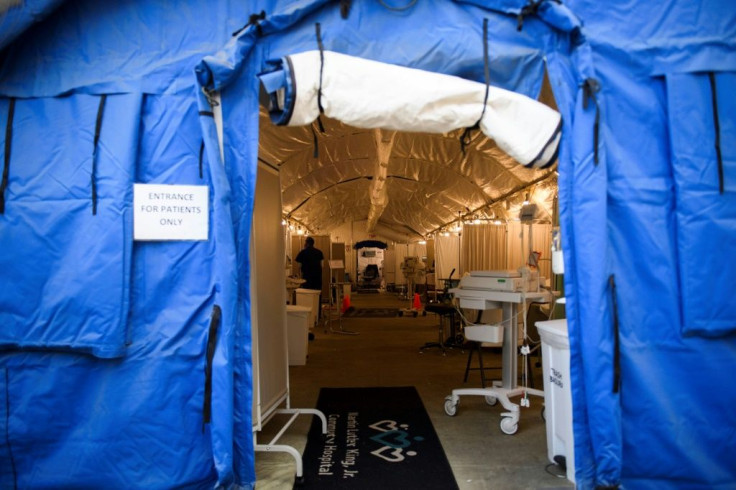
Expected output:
(170, 212)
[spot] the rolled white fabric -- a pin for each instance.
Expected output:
(370, 94)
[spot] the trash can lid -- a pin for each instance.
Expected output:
(553, 328)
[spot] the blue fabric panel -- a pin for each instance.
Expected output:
(588, 307)
(66, 271)
(118, 46)
(15, 19)
(77, 422)
(706, 219)
(232, 391)
(565, 87)
(662, 37)
(240, 110)
(678, 415)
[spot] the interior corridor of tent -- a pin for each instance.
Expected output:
(386, 352)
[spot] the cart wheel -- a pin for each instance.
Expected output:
(415, 313)
(450, 407)
(424, 312)
(491, 400)
(508, 426)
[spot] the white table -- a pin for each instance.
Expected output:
(509, 303)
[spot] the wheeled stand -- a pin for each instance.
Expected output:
(509, 420)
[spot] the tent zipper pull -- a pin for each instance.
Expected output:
(345, 8)
(616, 343)
(8, 141)
(253, 20)
(530, 9)
(591, 86)
(717, 126)
(210, 354)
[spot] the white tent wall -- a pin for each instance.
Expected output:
(402, 250)
(270, 360)
(389, 265)
(484, 247)
(417, 249)
(447, 257)
(344, 234)
(541, 242)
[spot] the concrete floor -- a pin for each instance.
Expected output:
(386, 353)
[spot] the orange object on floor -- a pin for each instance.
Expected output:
(417, 305)
(345, 304)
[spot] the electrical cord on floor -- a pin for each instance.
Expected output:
(558, 475)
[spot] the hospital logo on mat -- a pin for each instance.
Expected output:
(394, 440)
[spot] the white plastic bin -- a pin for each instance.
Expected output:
(297, 333)
(557, 394)
(310, 299)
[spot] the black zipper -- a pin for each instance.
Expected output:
(6, 165)
(201, 154)
(591, 86)
(210, 354)
(616, 342)
(717, 126)
(98, 127)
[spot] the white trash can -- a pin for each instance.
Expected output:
(297, 333)
(310, 299)
(557, 394)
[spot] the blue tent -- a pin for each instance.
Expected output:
(127, 364)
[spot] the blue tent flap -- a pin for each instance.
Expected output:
(701, 107)
(65, 230)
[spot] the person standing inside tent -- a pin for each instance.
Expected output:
(310, 259)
